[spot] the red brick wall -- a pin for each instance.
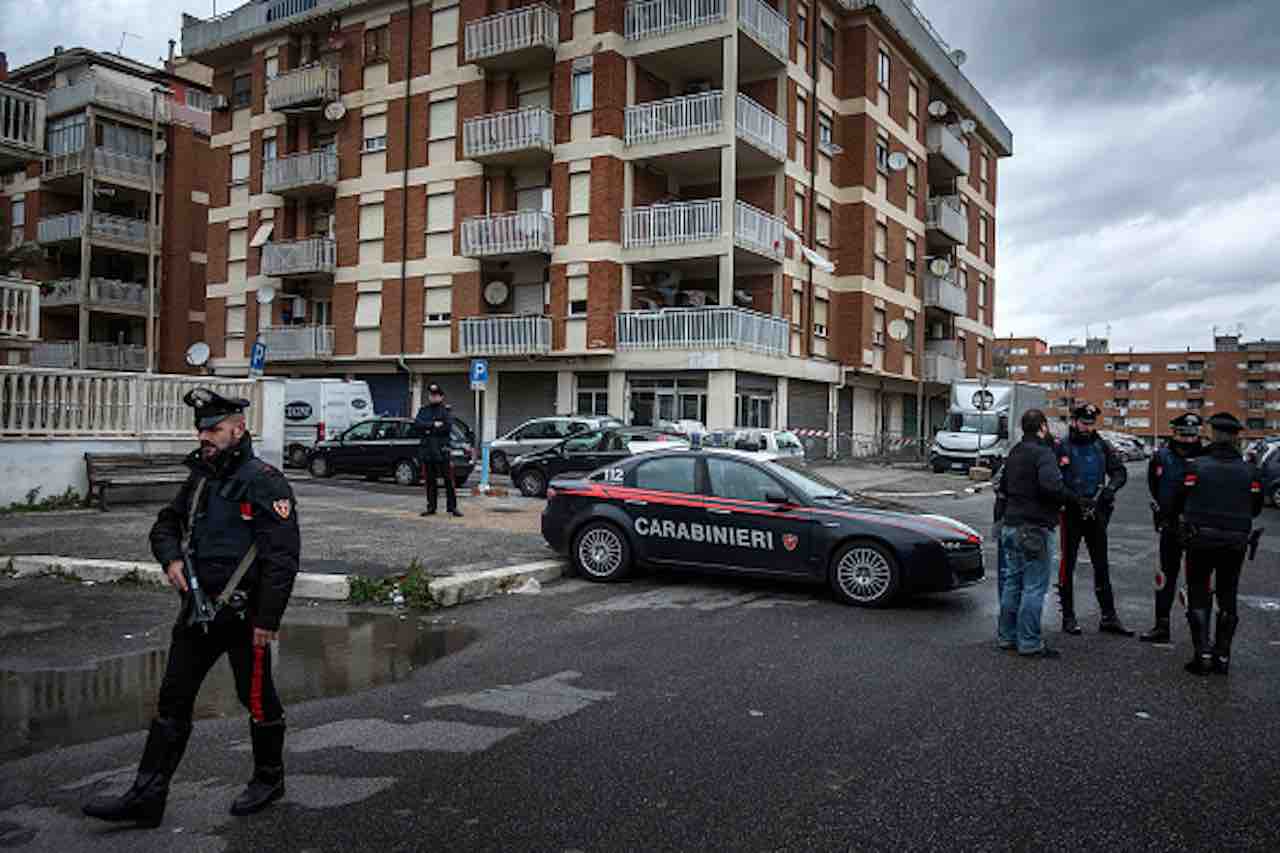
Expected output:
(606, 199)
(471, 103)
(215, 324)
(466, 299)
(604, 300)
(258, 82)
(757, 192)
(468, 200)
(763, 92)
(421, 60)
(609, 97)
(853, 229)
(559, 305)
(610, 16)
(896, 246)
(396, 136)
(562, 99)
(221, 119)
(346, 227)
(560, 202)
(217, 252)
(647, 188)
(250, 317)
(650, 87)
(417, 223)
(253, 257)
(344, 319)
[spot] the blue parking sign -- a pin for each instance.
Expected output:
(258, 358)
(479, 373)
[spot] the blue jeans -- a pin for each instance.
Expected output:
(1022, 583)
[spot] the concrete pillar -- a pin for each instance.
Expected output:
(782, 403)
(626, 275)
(86, 243)
(726, 270)
(833, 420)
(416, 381)
(619, 405)
(728, 156)
(564, 392)
(721, 385)
(490, 405)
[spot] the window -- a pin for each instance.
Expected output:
(910, 264)
(670, 474)
(982, 355)
(368, 310)
(739, 481)
(826, 42)
(439, 308)
(797, 307)
(241, 92)
(371, 222)
(982, 290)
(797, 220)
(377, 45)
(877, 327)
(802, 24)
(982, 235)
(440, 212)
(442, 119)
(240, 168)
(322, 220)
(913, 177)
(321, 313)
(593, 395)
(824, 129)
(984, 169)
(362, 431)
(272, 68)
(882, 252)
(802, 117)
(882, 71)
(375, 134)
(821, 316)
(17, 221)
(586, 443)
(823, 225)
(909, 342)
(578, 296)
(582, 89)
(882, 155)
(66, 134)
(268, 149)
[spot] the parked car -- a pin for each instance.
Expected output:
(1131, 449)
(776, 442)
(1258, 448)
(685, 426)
(389, 447)
(1269, 467)
(320, 409)
(540, 434)
(584, 453)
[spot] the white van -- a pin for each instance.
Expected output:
(318, 410)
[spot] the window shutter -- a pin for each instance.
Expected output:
(371, 225)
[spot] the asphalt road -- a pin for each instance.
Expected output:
(676, 713)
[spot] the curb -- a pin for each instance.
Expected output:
(473, 586)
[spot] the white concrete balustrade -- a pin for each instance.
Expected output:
(508, 32)
(758, 231)
(702, 328)
(766, 25)
(22, 119)
(671, 224)
(945, 293)
(98, 355)
(526, 129)
(648, 18)
(314, 84)
(19, 310)
(298, 343)
(674, 118)
(942, 368)
(308, 256)
(760, 128)
(309, 169)
(517, 233)
(505, 334)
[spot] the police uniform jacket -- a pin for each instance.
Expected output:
(434, 446)
(1166, 471)
(1221, 494)
(1086, 465)
(244, 502)
(1030, 489)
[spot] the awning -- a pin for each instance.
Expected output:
(817, 260)
(261, 235)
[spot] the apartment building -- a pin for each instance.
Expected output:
(736, 211)
(85, 198)
(1140, 392)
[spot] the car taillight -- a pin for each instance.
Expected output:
(320, 431)
(551, 493)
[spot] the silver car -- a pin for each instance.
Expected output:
(539, 434)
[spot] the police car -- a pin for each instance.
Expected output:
(733, 512)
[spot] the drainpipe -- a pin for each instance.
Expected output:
(811, 154)
(404, 218)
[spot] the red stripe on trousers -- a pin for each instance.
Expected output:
(255, 684)
(1062, 551)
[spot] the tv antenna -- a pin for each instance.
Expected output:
(124, 34)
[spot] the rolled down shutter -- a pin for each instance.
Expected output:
(522, 396)
(807, 411)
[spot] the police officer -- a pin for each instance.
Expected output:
(1093, 473)
(1165, 474)
(234, 525)
(1220, 496)
(435, 422)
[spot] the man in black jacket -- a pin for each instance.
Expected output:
(435, 424)
(236, 519)
(1029, 498)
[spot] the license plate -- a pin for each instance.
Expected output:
(959, 466)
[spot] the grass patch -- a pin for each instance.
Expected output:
(363, 590)
(410, 589)
(70, 499)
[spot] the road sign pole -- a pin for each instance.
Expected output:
(479, 384)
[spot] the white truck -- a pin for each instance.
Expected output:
(320, 409)
(983, 423)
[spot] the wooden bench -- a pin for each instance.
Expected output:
(131, 469)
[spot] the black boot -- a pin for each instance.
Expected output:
(1198, 623)
(1070, 625)
(144, 802)
(1111, 624)
(267, 784)
(1159, 633)
(1227, 623)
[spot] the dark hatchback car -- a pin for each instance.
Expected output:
(388, 447)
(583, 454)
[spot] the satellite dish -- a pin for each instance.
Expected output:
(335, 110)
(198, 354)
(496, 292)
(266, 295)
(968, 125)
(938, 109)
(959, 57)
(160, 147)
(939, 267)
(897, 161)
(898, 329)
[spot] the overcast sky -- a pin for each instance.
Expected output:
(1144, 190)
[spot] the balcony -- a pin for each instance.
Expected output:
(123, 231)
(671, 224)
(649, 18)
(522, 232)
(505, 334)
(769, 28)
(304, 89)
(760, 128)
(311, 256)
(200, 35)
(105, 294)
(521, 38)
(98, 356)
(703, 328)
(758, 231)
(945, 223)
(108, 92)
(944, 293)
(942, 368)
(108, 165)
(19, 310)
(301, 175)
(512, 138)
(948, 153)
(62, 354)
(298, 343)
(674, 118)
(22, 118)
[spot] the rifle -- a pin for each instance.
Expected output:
(201, 610)
(1254, 538)
(1156, 520)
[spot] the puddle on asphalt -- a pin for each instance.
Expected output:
(325, 654)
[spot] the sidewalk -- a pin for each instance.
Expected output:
(897, 479)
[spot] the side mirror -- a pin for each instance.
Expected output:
(776, 498)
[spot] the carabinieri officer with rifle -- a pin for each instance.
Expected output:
(229, 543)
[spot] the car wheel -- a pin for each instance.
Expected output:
(498, 463)
(298, 456)
(865, 574)
(320, 468)
(601, 552)
(406, 472)
(533, 484)
(1275, 497)
(939, 467)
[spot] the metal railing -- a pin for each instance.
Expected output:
(298, 343)
(107, 92)
(317, 83)
(505, 132)
(766, 25)
(54, 354)
(758, 230)
(70, 403)
(948, 348)
(116, 357)
(702, 328)
(517, 233)
(201, 34)
(761, 128)
(311, 168)
(648, 18)
(105, 226)
(22, 118)
(19, 310)
(942, 368)
(674, 118)
(505, 32)
(505, 334)
(671, 224)
(944, 214)
(945, 293)
(103, 292)
(941, 140)
(310, 255)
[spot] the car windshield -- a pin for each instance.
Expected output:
(973, 422)
(803, 479)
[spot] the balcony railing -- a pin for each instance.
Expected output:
(103, 293)
(519, 233)
(22, 118)
(944, 142)
(108, 92)
(648, 18)
(505, 334)
(106, 226)
(200, 35)
(55, 354)
(98, 356)
(945, 217)
(107, 164)
(671, 224)
(308, 256)
(758, 231)
(674, 118)
(943, 292)
(298, 343)
(948, 348)
(19, 310)
(766, 25)
(514, 131)
(703, 328)
(311, 85)
(942, 368)
(761, 128)
(298, 171)
(520, 29)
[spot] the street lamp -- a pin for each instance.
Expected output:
(157, 150)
